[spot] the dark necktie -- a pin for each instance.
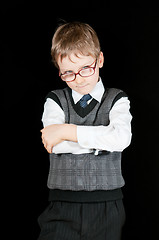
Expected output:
(84, 99)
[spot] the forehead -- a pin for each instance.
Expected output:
(74, 62)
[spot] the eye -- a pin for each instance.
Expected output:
(67, 72)
(85, 67)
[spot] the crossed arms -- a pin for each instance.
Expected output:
(59, 137)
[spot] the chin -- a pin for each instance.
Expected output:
(84, 92)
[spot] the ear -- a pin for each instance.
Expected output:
(101, 60)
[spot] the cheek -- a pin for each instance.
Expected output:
(94, 80)
(71, 85)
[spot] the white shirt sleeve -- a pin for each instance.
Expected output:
(53, 114)
(114, 137)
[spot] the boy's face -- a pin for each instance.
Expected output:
(82, 85)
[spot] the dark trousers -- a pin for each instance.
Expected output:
(82, 221)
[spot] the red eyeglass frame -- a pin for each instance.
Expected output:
(60, 74)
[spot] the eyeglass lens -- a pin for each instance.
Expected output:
(86, 72)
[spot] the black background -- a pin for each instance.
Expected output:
(130, 41)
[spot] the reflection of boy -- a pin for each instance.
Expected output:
(85, 139)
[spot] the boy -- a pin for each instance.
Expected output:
(86, 127)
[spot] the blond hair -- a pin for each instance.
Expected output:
(74, 37)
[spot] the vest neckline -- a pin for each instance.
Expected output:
(82, 112)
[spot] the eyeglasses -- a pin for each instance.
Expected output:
(87, 71)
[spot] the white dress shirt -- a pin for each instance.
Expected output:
(114, 137)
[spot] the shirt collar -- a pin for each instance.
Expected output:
(96, 93)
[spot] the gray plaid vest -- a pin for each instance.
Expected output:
(88, 171)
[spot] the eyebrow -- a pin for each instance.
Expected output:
(84, 65)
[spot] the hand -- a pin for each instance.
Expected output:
(57, 133)
(51, 136)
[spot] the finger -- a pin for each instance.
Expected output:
(42, 137)
(45, 144)
(49, 149)
(42, 130)
(43, 140)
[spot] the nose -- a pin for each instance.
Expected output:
(79, 79)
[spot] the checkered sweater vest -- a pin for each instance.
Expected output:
(87, 172)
